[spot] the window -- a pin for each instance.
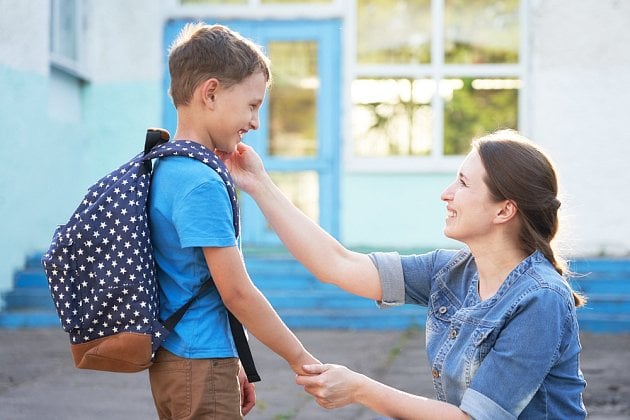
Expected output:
(66, 29)
(431, 75)
(67, 70)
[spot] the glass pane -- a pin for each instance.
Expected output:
(302, 188)
(64, 30)
(394, 32)
(475, 107)
(481, 31)
(293, 99)
(392, 117)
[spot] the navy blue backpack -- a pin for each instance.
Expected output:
(101, 272)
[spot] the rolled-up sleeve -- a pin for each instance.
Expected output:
(478, 406)
(392, 280)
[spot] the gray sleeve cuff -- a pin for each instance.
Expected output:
(392, 280)
(478, 406)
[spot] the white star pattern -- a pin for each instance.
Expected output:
(102, 261)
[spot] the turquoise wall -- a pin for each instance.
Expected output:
(47, 163)
(394, 211)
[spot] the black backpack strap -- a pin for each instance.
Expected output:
(205, 155)
(242, 346)
(155, 137)
(172, 320)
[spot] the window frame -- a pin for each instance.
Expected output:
(73, 67)
(437, 70)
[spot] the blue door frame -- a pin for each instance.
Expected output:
(326, 33)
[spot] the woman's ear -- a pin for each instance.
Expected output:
(507, 211)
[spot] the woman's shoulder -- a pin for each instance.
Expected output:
(542, 281)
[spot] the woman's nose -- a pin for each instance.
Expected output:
(447, 194)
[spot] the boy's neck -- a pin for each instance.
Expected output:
(188, 128)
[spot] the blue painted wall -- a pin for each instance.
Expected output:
(49, 163)
(394, 211)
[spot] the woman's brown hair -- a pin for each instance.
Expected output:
(520, 171)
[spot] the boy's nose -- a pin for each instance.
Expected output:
(255, 122)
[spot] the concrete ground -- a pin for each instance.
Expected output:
(39, 381)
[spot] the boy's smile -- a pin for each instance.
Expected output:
(236, 111)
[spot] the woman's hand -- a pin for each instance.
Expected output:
(333, 386)
(248, 392)
(245, 166)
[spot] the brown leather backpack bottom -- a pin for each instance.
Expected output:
(123, 352)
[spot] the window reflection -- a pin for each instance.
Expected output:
(393, 32)
(392, 116)
(293, 99)
(481, 31)
(475, 107)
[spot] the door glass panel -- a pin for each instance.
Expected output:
(481, 31)
(474, 107)
(302, 188)
(293, 99)
(394, 32)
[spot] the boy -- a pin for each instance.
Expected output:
(218, 83)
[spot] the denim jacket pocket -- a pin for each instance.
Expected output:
(480, 345)
(440, 313)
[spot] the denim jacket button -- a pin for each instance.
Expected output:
(453, 333)
(443, 309)
(435, 373)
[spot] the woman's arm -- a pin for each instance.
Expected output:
(318, 251)
(335, 386)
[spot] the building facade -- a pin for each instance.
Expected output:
(373, 106)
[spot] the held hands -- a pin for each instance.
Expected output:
(245, 166)
(333, 386)
(305, 359)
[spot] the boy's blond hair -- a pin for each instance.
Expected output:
(202, 51)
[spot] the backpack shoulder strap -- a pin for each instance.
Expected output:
(203, 154)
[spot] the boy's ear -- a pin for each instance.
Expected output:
(507, 211)
(208, 90)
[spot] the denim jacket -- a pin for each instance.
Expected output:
(514, 355)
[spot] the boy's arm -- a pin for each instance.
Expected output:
(318, 251)
(251, 308)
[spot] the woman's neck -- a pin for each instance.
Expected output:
(494, 264)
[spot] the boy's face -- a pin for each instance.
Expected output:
(236, 111)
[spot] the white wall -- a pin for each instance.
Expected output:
(579, 111)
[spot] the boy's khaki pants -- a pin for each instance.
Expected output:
(195, 388)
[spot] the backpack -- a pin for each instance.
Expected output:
(102, 275)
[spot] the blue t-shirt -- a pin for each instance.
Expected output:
(189, 208)
(514, 355)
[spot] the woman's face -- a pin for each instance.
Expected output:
(470, 209)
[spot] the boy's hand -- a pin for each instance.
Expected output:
(333, 386)
(248, 392)
(245, 166)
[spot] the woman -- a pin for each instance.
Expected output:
(502, 332)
